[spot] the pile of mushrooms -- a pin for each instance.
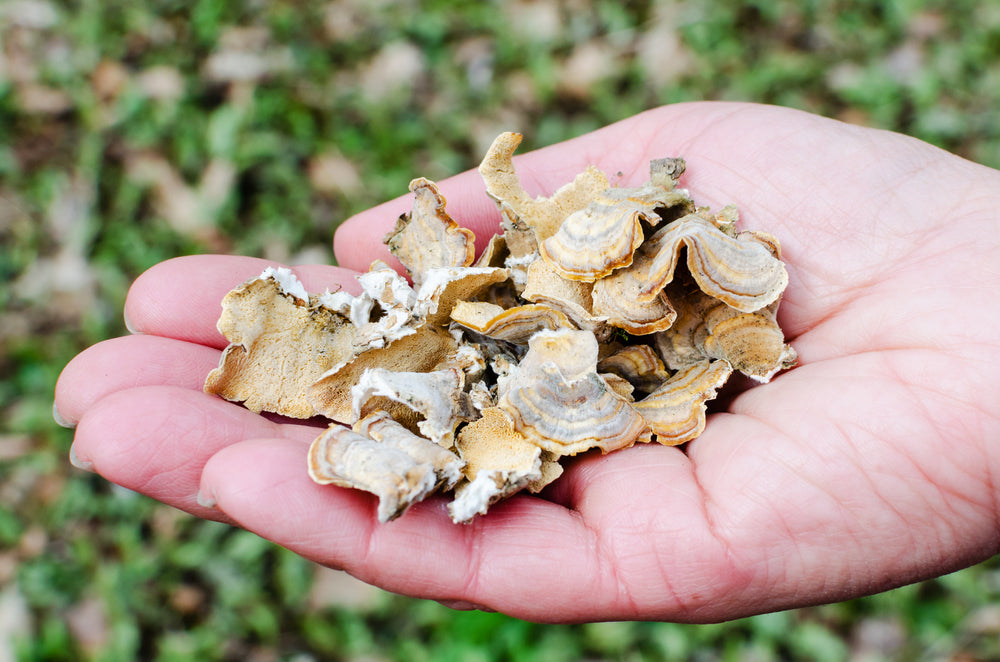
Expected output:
(600, 317)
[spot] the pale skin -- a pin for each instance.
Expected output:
(873, 464)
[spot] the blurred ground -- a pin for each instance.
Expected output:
(133, 132)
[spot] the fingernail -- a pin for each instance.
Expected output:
(206, 501)
(78, 462)
(57, 417)
(128, 322)
(464, 605)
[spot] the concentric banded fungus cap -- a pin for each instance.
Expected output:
(382, 428)
(675, 412)
(561, 404)
(516, 324)
(593, 242)
(752, 343)
(638, 364)
(617, 299)
(741, 271)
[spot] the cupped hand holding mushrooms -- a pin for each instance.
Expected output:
(871, 464)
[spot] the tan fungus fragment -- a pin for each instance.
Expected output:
(501, 294)
(420, 351)
(427, 237)
(519, 238)
(543, 215)
(442, 288)
(468, 358)
(596, 240)
(492, 443)
(619, 385)
(559, 402)
(639, 365)
(480, 396)
(516, 324)
(617, 298)
(438, 396)
(395, 301)
(381, 427)
(499, 461)
(550, 470)
(752, 343)
(279, 345)
(345, 458)
(742, 271)
(573, 298)
(675, 412)
(494, 254)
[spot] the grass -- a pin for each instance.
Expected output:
(134, 132)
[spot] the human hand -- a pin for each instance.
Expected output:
(872, 464)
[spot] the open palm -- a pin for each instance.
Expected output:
(869, 465)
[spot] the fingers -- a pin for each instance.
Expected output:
(529, 558)
(173, 307)
(123, 363)
(156, 440)
(181, 298)
(633, 550)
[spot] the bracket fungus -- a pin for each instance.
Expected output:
(600, 317)
(428, 237)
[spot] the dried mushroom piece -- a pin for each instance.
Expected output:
(742, 271)
(593, 242)
(637, 364)
(428, 237)
(550, 470)
(499, 461)
(543, 215)
(516, 324)
(567, 418)
(619, 385)
(439, 397)
(616, 298)
(501, 294)
(383, 428)
(752, 343)
(573, 298)
(330, 394)
(468, 358)
(675, 411)
(279, 345)
(345, 458)
(495, 253)
(386, 297)
(443, 287)
(561, 404)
